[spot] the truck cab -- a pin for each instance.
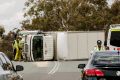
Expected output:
(37, 47)
(113, 40)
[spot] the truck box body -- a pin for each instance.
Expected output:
(77, 45)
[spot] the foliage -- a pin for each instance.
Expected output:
(115, 12)
(6, 44)
(2, 30)
(70, 15)
(6, 47)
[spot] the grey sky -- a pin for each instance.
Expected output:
(11, 13)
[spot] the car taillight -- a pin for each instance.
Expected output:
(98, 72)
(90, 72)
(93, 72)
(118, 49)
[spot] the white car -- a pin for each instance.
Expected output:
(7, 70)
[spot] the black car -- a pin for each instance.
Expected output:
(102, 65)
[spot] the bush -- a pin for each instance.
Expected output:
(10, 55)
(6, 47)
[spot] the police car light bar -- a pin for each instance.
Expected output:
(117, 26)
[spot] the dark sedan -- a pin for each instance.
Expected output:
(102, 65)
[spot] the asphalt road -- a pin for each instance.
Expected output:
(51, 70)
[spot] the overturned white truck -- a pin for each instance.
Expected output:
(60, 45)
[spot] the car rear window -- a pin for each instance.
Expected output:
(109, 58)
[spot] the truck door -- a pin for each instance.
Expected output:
(37, 48)
(48, 47)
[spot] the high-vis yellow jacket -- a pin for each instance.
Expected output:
(96, 48)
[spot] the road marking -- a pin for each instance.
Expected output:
(41, 64)
(55, 68)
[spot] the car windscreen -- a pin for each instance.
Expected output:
(106, 58)
(115, 38)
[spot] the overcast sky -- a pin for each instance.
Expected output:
(11, 13)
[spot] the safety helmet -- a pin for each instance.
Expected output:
(99, 42)
(19, 37)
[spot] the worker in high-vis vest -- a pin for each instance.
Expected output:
(99, 46)
(16, 46)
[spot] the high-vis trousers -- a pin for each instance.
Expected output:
(18, 54)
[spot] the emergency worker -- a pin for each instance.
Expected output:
(17, 46)
(99, 46)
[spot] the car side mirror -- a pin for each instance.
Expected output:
(19, 68)
(81, 66)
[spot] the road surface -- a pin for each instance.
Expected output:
(51, 70)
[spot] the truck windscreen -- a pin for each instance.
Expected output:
(115, 38)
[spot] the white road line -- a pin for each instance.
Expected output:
(56, 63)
(56, 68)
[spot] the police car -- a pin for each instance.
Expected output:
(113, 39)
